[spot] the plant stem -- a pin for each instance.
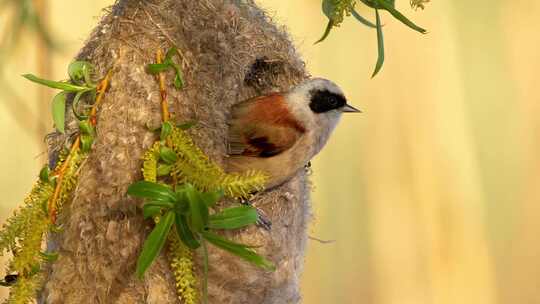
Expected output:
(101, 88)
(205, 272)
(60, 173)
(162, 88)
(52, 205)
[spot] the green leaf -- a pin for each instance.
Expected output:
(242, 251)
(187, 125)
(170, 53)
(168, 63)
(163, 169)
(153, 208)
(49, 256)
(86, 128)
(375, 3)
(363, 20)
(155, 68)
(389, 6)
(233, 218)
(198, 209)
(44, 174)
(184, 232)
(326, 31)
(178, 82)
(152, 191)
(182, 203)
(150, 210)
(59, 111)
(36, 268)
(380, 45)
(328, 8)
(86, 142)
(45, 206)
(154, 243)
(371, 3)
(168, 155)
(80, 71)
(179, 77)
(211, 198)
(161, 204)
(75, 105)
(166, 129)
(62, 85)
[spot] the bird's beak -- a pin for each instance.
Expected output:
(350, 109)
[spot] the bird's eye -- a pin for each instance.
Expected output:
(332, 101)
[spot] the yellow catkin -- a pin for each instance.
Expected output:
(195, 167)
(181, 262)
(180, 257)
(150, 161)
(70, 179)
(23, 233)
(29, 247)
(17, 226)
(25, 289)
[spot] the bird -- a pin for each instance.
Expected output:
(279, 133)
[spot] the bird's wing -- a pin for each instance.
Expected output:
(263, 127)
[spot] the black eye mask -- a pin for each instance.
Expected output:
(324, 101)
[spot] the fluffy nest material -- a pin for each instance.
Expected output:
(231, 51)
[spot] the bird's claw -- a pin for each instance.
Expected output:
(262, 219)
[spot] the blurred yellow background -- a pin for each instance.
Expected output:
(432, 194)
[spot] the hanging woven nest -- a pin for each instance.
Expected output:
(230, 51)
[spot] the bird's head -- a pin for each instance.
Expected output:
(322, 96)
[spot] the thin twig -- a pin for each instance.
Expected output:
(102, 87)
(162, 89)
(321, 241)
(61, 172)
(52, 205)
